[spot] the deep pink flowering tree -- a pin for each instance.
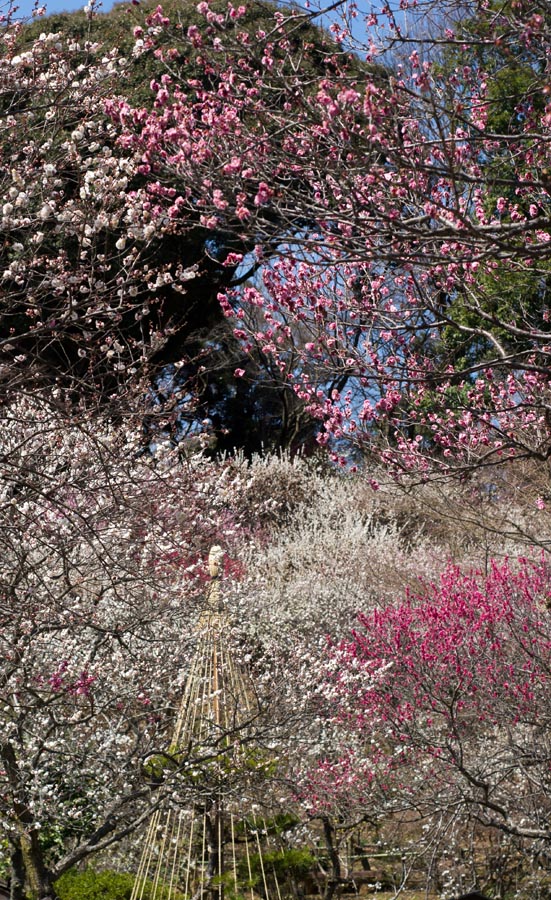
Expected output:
(446, 697)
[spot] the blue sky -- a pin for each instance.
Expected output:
(25, 7)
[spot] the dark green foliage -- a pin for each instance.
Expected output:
(91, 885)
(106, 885)
(516, 298)
(295, 861)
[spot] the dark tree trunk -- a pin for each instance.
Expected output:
(38, 881)
(17, 872)
(335, 879)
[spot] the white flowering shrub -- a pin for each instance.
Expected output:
(326, 552)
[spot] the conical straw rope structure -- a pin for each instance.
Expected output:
(212, 847)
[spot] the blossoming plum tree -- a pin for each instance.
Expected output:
(101, 576)
(449, 692)
(385, 210)
(101, 297)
